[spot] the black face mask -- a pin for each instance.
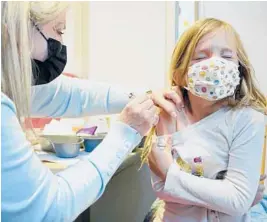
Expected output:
(46, 71)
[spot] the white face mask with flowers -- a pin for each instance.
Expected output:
(213, 79)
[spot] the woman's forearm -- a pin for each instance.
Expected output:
(71, 97)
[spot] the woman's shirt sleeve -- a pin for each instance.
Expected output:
(72, 97)
(31, 192)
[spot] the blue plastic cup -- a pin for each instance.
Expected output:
(91, 144)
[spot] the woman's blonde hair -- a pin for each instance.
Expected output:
(16, 45)
(248, 92)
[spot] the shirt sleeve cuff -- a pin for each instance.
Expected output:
(119, 97)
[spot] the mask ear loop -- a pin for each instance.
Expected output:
(38, 29)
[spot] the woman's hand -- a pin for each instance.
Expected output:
(260, 191)
(140, 114)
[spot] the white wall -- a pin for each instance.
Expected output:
(128, 40)
(186, 16)
(250, 20)
(69, 41)
(127, 43)
(76, 39)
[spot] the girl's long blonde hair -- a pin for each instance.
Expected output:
(249, 93)
(16, 45)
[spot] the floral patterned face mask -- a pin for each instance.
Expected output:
(213, 79)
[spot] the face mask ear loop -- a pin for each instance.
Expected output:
(38, 29)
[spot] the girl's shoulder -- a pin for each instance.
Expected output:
(245, 121)
(245, 115)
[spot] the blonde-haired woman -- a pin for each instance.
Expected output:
(224, 133)
(31, 44)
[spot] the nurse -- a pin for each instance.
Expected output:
(33, 57)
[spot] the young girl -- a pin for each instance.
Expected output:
(207, 168)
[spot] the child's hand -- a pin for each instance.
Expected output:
(167, 124)
(170, 102)
(166, 98)
(260, 191)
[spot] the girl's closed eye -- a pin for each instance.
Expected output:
(200, 56)
(227, 54)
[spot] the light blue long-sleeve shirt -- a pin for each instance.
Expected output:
(30, 191)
